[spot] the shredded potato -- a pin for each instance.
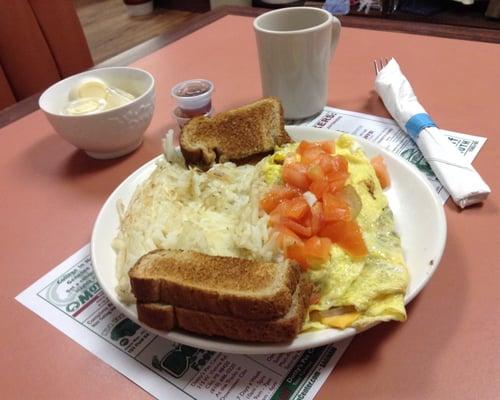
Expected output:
(214, 212)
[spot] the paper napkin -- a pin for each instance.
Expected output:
(460, 179)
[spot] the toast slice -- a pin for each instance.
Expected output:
(236, 135)
(157, 316)
(281, 329)
(219, 285)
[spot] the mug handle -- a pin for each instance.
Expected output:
(335, 34)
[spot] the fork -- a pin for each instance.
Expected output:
(380, 63)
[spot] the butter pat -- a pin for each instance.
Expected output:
(85, 106)
(89, 87)
(92, 95)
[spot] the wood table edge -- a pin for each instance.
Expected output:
(30, 104)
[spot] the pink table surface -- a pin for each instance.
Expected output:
(50, 194)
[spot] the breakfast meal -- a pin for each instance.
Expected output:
(302, 240)
(93, 95)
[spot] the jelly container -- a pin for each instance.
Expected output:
(182, 119)
(193, 97)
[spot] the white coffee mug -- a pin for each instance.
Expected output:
(295, 48)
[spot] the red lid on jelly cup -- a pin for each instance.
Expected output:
(193, 94)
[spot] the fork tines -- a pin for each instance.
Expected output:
(379, 64)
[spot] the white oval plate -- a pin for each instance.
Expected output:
(419, 218)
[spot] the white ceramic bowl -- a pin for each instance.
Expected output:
(106, 134)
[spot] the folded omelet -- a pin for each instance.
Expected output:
(362, 290)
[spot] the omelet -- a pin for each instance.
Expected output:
(356, 292)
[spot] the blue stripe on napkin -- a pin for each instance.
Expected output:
(418, 122)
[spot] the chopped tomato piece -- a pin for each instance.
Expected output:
(299, 229)
(295, 174)
(311, 154)
(340, 163)
(337, 176)
(317, 250)
(327, 163)
(314, 251)
(269, 202)
(335, 208)
(276, 195)
(347, 235)
(328, 146)
(332, 182)
(336, 181)
(319, 187)
(381, 171)
(296, 252)
(316, 217)
(295, 208)
(332, 230)
(304, 145)
(286, 238)
(315, 172)
(306, 221)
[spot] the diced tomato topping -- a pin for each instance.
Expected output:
(304, 145)
(296, 252)
(332, 230)
(317, 250)
(315, 172)
(312, 154)
(336, 181)
(319, 187)
(314, 251)
(328, 146)
(306, 233)
(295, 174)
(335, 208)
(347, 235)
(275, 219)
(316, 217)
(298, 228)
(286, 238)
(295, 208)
(380, 168)
(276, 195)
(340, 163)
(327, 163)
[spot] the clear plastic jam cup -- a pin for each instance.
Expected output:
(194, 97)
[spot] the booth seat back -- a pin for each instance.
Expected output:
(41, 42)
